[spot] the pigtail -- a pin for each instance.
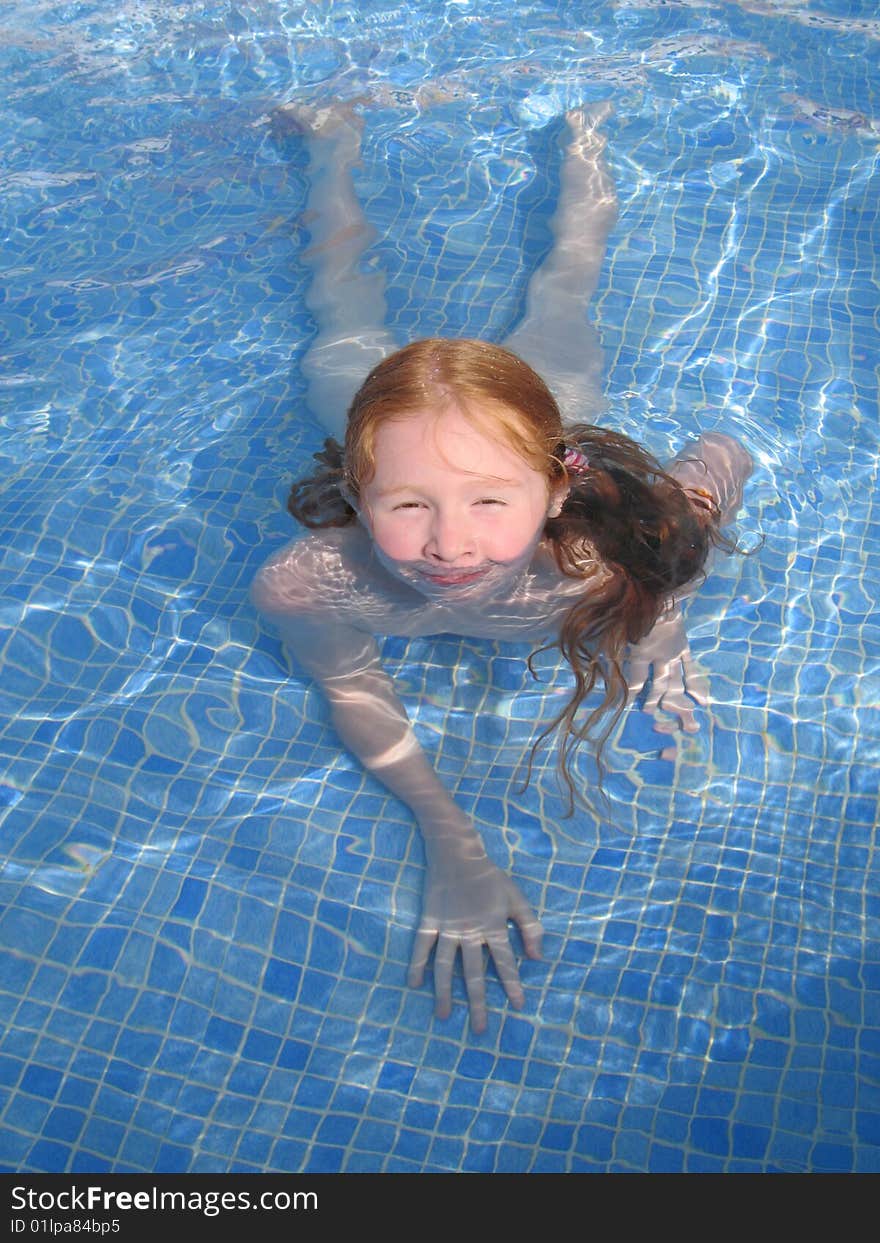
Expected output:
(638, 536)
(636, 518)
(318, 500)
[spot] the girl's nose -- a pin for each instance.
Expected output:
(449, 539)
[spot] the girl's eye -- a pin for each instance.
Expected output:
(490, 500)
(408, 505)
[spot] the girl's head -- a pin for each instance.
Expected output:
(451, 457)
(471, 424)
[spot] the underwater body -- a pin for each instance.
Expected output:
(208, 908)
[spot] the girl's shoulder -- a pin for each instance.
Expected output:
(321, 571)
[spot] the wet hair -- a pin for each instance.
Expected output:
(626, 525)
(494, 388)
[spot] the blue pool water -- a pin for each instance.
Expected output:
(207, 906)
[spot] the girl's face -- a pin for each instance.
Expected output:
(450, 508)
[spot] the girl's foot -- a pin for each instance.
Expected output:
(336, 119)
(583, 122)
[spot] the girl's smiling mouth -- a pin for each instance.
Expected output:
(455, 578)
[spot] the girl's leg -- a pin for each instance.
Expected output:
(348, 304)
(555, 336)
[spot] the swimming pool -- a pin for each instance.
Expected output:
(208, 908)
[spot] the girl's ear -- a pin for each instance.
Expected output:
(557, 500)
(349, 497)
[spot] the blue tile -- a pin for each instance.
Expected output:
(47, 1157)
(301, 1124)
(103, 1137)
(294, 1054)
(281, 978)
(261, 1046)
(64, 1124)
(172, 1159)
(830, 1158)
(41, 1081)
(324, 1160)
(476, 1065)
(224, 1036)
(288, 1157)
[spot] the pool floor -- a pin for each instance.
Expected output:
(207, 907)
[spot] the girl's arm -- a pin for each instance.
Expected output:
(467, 900)
(719, 465)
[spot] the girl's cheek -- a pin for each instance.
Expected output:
(396, 539)
(513, 537)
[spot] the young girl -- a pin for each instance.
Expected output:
(462, 503)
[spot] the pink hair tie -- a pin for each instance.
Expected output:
(575, 461)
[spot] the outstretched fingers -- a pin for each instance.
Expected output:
(445, 946)
(508, 972)
(529, 926)
(424, 943)
(444, 962)
(696, 681)
(475, 982)
(678, 687)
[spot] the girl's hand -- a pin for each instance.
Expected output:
(676, 686)
(467, 904)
